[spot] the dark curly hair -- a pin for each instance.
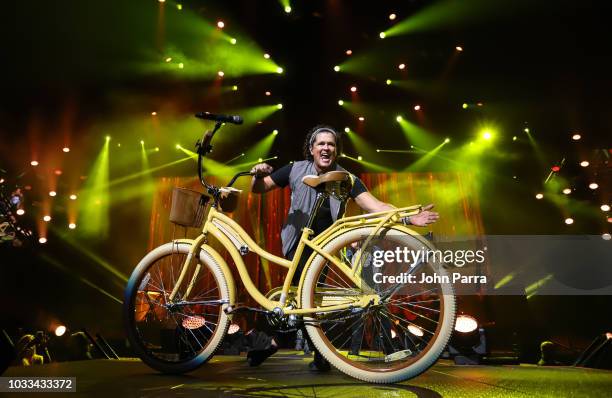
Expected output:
(312, 136)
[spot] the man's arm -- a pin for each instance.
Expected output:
(264, 180)
(370, 204)
(262, 185)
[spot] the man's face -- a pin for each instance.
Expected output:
(323, 151)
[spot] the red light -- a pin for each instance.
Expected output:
(555, 168)
(58, 172)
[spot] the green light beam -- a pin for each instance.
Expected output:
(95, 197)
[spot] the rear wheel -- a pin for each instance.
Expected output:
(394, 340)
(175, 336)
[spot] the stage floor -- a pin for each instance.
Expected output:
(287, 374)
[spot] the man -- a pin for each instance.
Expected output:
(321, 149)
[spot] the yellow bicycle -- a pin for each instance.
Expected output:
(367, 320)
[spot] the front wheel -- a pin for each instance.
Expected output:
(390, 341)
(176, 336)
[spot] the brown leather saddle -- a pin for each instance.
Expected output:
(335, 183)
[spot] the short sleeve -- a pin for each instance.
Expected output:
(358, 188)
(281, 176)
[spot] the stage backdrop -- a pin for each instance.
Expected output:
(454, 195)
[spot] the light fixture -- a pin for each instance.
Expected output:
(42, 240)
(66, 149)
(569, 221)
(52, 193)
(576, 137)
(417, 107)
(465, 324)
(567, 191)
(47, 218)
(593, 185)
(20, 212)
(60, 330)
(605, 207)
(382, 35)
(392, 16)
(539, 196)
(354, 89)
(220, 24)
(402, 66)
(584, 163)
(73, 197)
(72, 225)
(220, 73)
(34, 163)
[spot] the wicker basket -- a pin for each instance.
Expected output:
(188, 207)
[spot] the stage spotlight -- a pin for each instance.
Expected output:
(267, 56)
(353, 89)
(178, 146)
(73, 197)
(193, 322)
(72, 225)
(359, 158)
(107, 138)
(220, 73)
(346, 129)
(42, 240)
(162, 1)
(349, 52)
(60, 330)
(464, 106)
(569, 221)
(233, 328)
(66, 149)
(459, 48)
(576, 137)
(584, 163)
(47, 218)
(402, 66)
(20, 212)
(526, 130)
(153, 113)
(179, 7)
(234, 88)
(417, 331)
(567, 191)
(279, 70)
(34, 163)
(180, 65)
(393, 334)
(233, 41)
(52, 193)
(279, 106)
(361, 118)
(606, 236)
(388, 82)
(465, 324)
(340, 102)
(287, 9)
(486, 135)
(392, 17)
(399, 119)
(268, 93)
(417, 107)
(555, 168)
(220, 24)
(446, 140)
(141, 142)
(593, 185)
(539, 196)
(58, 172)
(168, 59)
(336, 68)
(381, 35)
(514, 138)
(275, 132)
(605, 208)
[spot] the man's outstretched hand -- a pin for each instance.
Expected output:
(262, 169)
(425, 217)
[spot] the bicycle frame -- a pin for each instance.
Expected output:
(237, 242)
